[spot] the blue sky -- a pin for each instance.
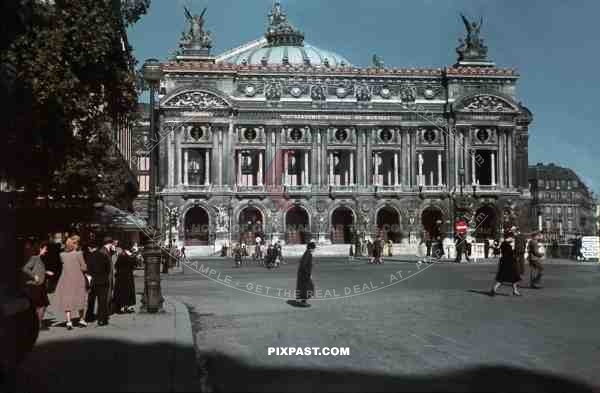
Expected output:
(555, 46)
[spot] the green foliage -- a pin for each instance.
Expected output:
(69, 73)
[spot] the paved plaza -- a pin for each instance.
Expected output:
(436, 328)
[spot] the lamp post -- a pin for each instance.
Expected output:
(152, 300)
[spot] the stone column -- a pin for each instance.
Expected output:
(213, 175)
(404, 156)
(259, 176)
(185, 167)
(440, 174)
(365, 158)
(207, 167)
(473, 168)
(413, 157)
(501, 157)
(305, 180)
(311, 176)
(376, 163)
(509, 148)
(359, 155)
(220, 157)
(238, 180)
(466, 152)
(420, 180)
(178, 153)
(395, 169)
(324, 158)
(171, 158)
(369, 156)
(493, 159)
(351, 168)
(286, 175)
(331, 178)
(228, 164)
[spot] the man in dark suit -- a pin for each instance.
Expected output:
(99, 267)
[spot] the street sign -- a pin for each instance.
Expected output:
(590, 248)
(461, 226)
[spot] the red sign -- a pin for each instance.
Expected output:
(460, 226)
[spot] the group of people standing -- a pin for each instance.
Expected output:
(270, 256)
(102, 275)
(514, 251)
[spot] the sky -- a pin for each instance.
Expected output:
(554, 45)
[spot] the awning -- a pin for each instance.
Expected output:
(115, 218)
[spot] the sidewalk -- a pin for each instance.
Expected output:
(134, 352)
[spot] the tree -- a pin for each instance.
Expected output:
(68, 80)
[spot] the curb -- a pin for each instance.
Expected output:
(184, 371)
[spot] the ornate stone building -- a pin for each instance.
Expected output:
(280, 138)
(562, 206)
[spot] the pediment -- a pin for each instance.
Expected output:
(196, 99)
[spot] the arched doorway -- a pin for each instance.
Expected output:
(196, 227)
(432, 219)
(486, 222)
(251, 225)
(388, 224)
(296, 226)
(342, 221)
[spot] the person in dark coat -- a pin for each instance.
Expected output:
(460, 248)
(124, 295)
(99, 267)
(304, 284)
(520, 248)
(508, 266)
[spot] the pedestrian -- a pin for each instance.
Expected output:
(237, 255)
(428, 245)
(99, 267)
(124, 296)
(469, 246)
(535, 255)
(36, 272)
(370, 250)
(71, 291)
(460, 248)
(304, 284)
(390, 247)
(270, 257)
(351, 254)
(279, 250)
(508, 269)
(183, 256)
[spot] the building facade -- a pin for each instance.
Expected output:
(562, 206)
(285, 140)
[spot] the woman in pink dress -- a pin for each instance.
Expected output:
(71, 291)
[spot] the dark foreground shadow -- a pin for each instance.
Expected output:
(104, 365)
(94, 365)
(226, 374)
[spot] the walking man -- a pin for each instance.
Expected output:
(304, 284)
(536, 255)
(100, 268)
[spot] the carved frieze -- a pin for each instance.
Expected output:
(408, 93)
(486, 103)
(197, 100)
(317, 92)
(273, 91)
(363, 92)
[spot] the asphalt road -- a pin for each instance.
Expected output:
(407, 328)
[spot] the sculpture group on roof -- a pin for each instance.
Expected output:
(196, 36)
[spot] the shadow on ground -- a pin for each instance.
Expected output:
(93, 365)
(226, 374)
(104, 365)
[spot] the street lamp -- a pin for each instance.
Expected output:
(152, 300)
